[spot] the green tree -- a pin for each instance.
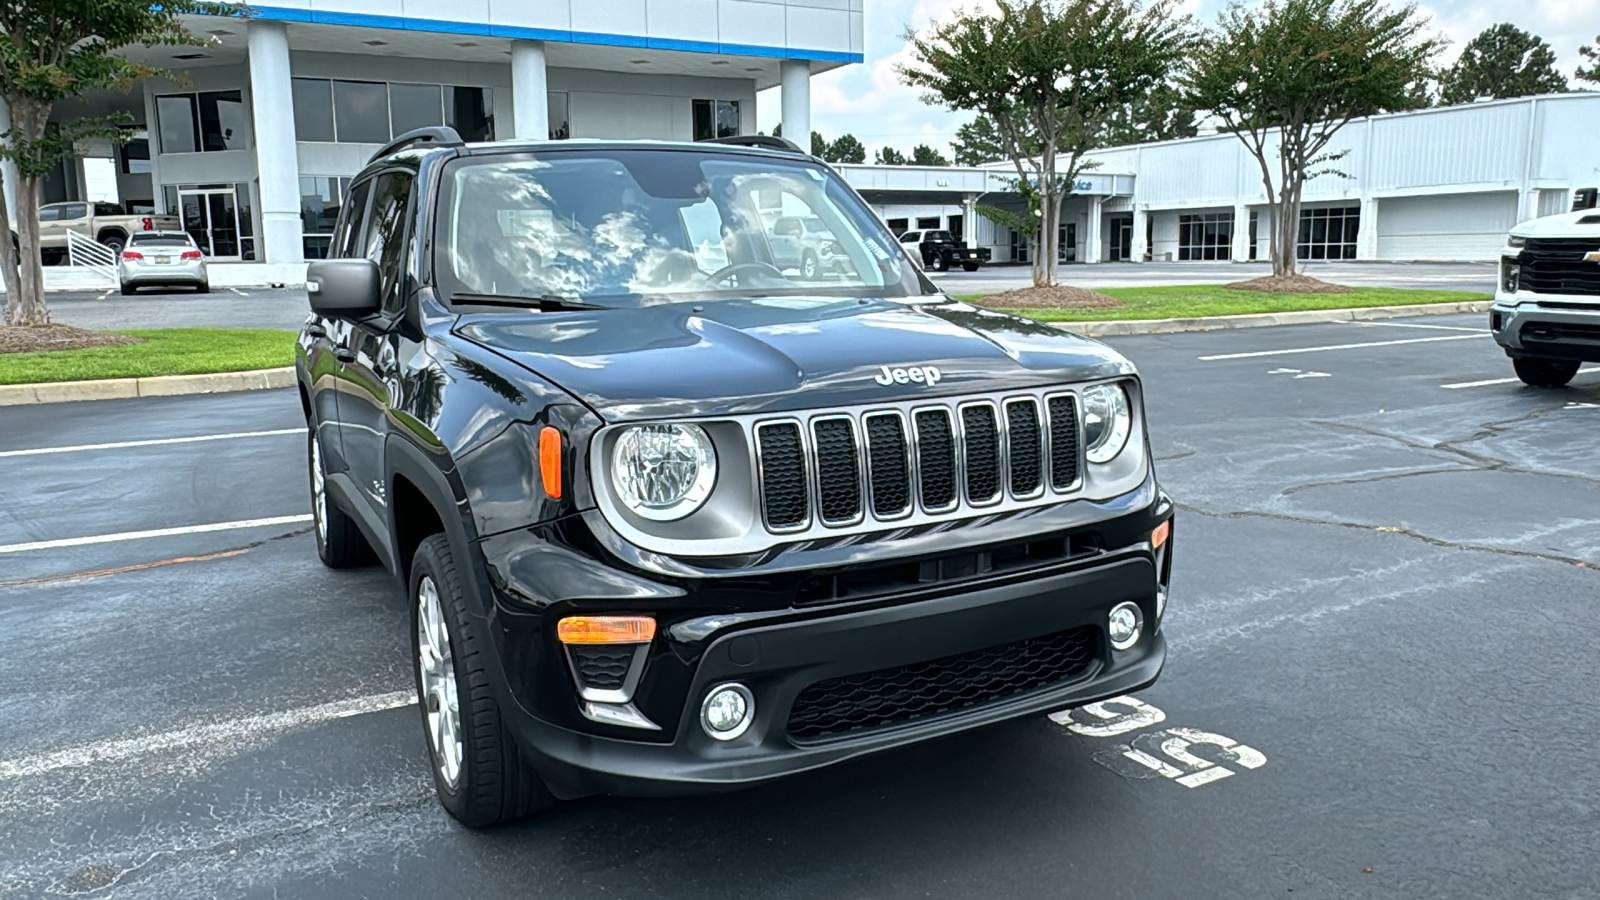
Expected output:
(847, 149)
(1048, 74)
(53, 50)
(1502, 62)
(923, 155)
(889, 156)
(1163, 114)
(978, 142)
(819, 145)
(1286, 75)
(1589, 69)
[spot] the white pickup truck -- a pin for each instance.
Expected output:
(1546, 311)
(106, 223)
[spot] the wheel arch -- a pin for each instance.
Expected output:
(424, 502)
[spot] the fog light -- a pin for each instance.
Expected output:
(1124, 625)
(727, 711)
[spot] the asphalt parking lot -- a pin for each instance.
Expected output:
(1381, 681)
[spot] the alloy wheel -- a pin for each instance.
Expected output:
(437, 670)
(319, 489)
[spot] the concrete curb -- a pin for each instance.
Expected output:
(155, 386)
(1264, 320)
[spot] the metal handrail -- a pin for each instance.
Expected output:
(85, 251)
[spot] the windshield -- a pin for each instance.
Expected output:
(620, 227)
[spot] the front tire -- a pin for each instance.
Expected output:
(340, 543)
(941, 263)
(808, 266)
(478, 769)
(1549, 373)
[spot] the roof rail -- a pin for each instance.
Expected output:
(763, 141)
(443, 135)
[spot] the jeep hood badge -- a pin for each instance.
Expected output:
(928, 375)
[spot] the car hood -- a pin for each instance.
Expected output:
(778, 354)
(1585, 223)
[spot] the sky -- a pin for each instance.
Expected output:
(868, 100)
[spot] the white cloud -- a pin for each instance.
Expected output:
(869, 101)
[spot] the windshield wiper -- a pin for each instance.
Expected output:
(543, 303)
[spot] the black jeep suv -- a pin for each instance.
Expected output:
(670, 517)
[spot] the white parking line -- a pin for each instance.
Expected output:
(221, 734)
(153, 442)
(239, 292)
(154, 533)
(1489, 381)
(1417, 325)
(1426, 340)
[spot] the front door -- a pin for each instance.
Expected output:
(1122, 238)
(212, 218)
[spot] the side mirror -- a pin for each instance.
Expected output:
(343, 288)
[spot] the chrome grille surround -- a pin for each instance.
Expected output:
(735, 516)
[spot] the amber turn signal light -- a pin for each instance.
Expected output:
(550, 461)
(1160, 535)
(606, 629)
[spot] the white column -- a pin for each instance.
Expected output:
(1367, 235)
(1141, 234)
(277, 161)
(1091, 237)
(969, 220)
(530, 92)
(795, 78)
(8, 169)
(1241, 232)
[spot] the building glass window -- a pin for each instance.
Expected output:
(361, 112)
(897, 227)
(413, 106)
(135, 155)
(313, 109)
(560, 123)
(1329, 233)
(927, 222)
(1020, 244)
(715, 119)
(1067, 242)
(1255, 235)
(957, 223)
(320, 200)
(1205, 236)
(207, 121)
(373, 112)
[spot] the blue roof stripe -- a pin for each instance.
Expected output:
(444, 26)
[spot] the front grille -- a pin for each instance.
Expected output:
(981, 435)
(1557, 266)
(602, 668)
(936, 459)
(838, 471)
(839, 706)
(783, 476)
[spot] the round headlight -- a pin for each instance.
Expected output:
(663, 472)
(1107, 422)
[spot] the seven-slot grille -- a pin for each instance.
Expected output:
(841, 468)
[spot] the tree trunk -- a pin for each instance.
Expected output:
(8, 256)
(27, 306)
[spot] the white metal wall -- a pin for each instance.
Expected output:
(1454, 226)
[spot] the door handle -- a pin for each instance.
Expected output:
(344, 355)
(316, 331)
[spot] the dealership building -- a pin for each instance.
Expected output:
(253, 146)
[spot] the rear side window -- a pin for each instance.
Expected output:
(348, 232)
(384, 241)
(911, 237)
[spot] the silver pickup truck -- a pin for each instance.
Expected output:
(106, 223)
(1546, 311)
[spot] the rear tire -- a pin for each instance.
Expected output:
(340, 543)
(941, 263)
(129, 290)
(969, 267)
(1542, 372)
(808, 266)
(478, 769)
(113, 242)
(202, 289)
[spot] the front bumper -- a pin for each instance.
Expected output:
(1547, 325)
(780, 651)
